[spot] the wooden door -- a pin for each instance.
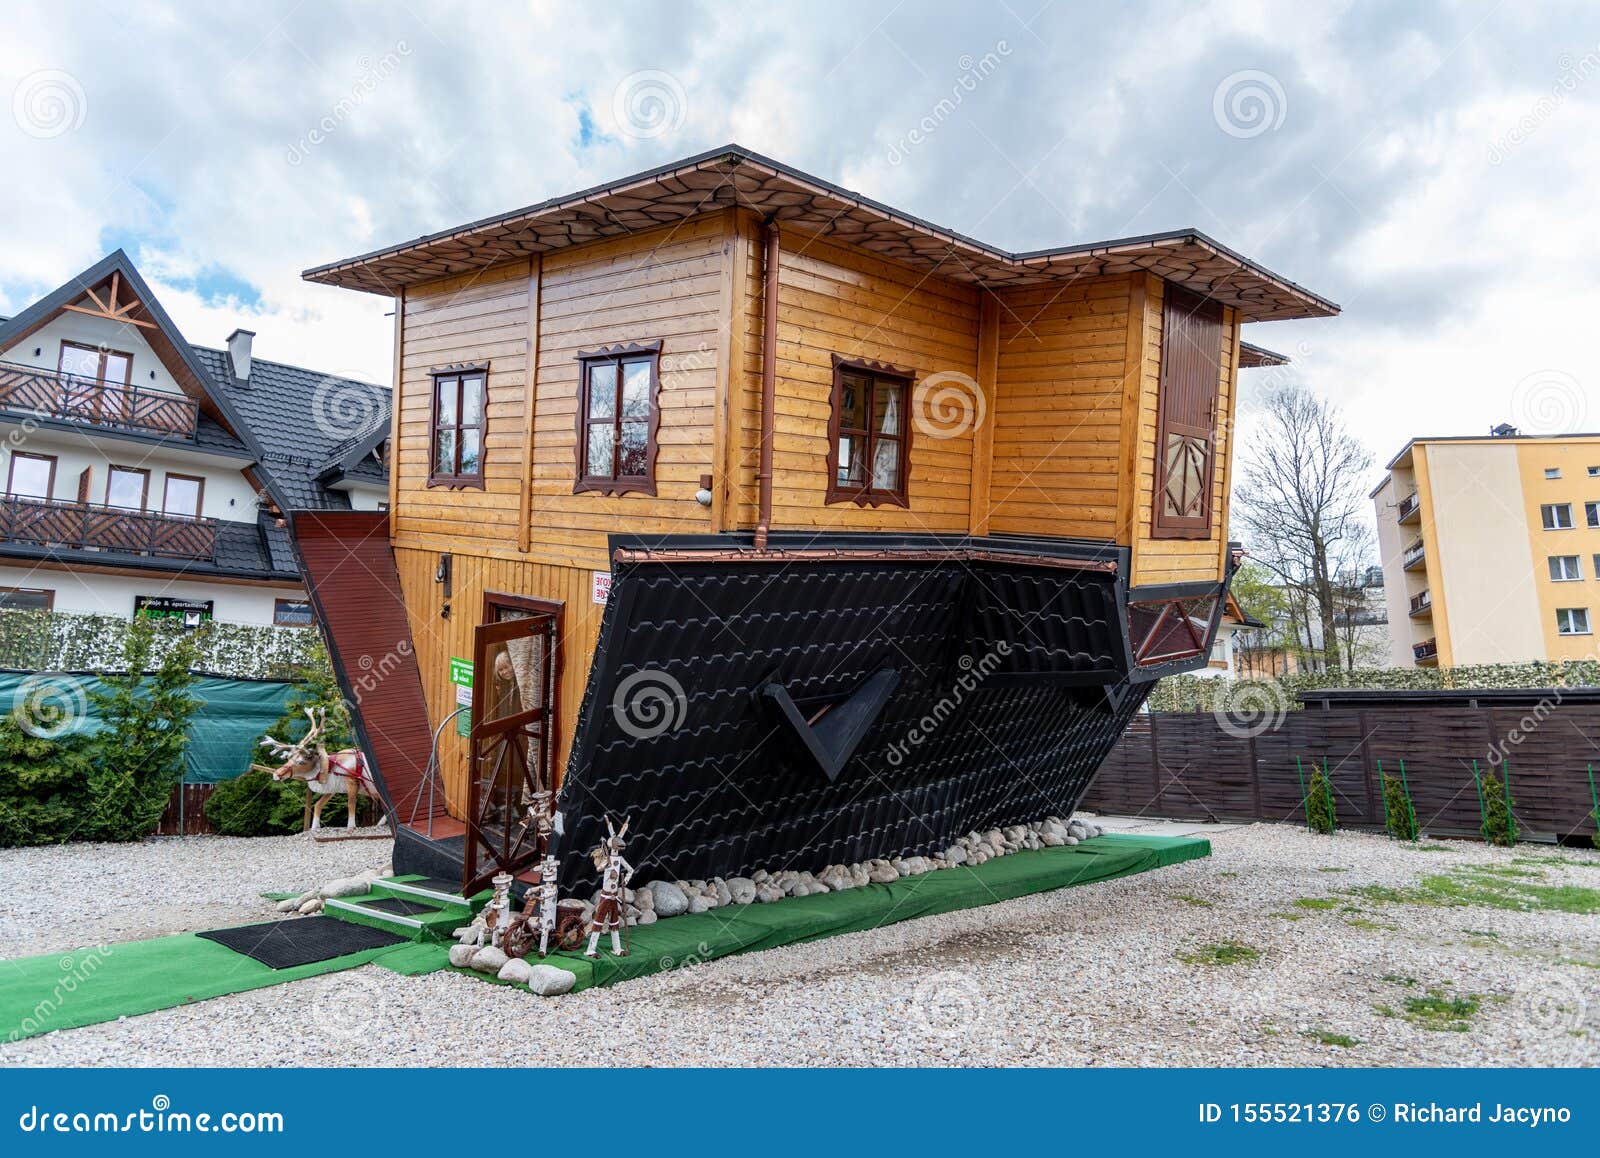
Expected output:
(1191, 370)
(512, 746)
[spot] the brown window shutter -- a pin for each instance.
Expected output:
(1185, 450)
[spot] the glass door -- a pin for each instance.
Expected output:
(512, 748)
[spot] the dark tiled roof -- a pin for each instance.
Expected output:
(298, 417)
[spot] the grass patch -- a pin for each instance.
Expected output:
(1316, 903)
(1501, 870)
(1431, 846)
(1399, 979)
(1222, 953)
(1342, 1040)
(1198, 902)
(1560, 861)
(1288, 916)
(1469, 887)
(1330, 869)
(1367, 923)
(1437, 1011)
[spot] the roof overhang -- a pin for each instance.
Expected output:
(735, 177)
(1252, 356)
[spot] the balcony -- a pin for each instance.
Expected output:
(1426, 652)
(1413, 556)
(69, 398)
(1421, 604)
(1409, 508)
(92, 527)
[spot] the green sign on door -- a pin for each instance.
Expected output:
(461, 672)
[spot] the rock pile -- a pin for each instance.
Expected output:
(310, 902)
(650, 903)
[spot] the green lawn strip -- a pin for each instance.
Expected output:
(86, 986)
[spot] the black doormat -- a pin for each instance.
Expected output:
(437, 885)
(400, 906)
(301, 941)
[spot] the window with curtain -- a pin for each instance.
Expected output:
(459, 401)
(618, 415)
(869, 439)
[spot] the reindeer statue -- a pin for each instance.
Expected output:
(324, 775)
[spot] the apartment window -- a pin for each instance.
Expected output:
(618, 414)
(32, 476)
(1556, 516)
(127, 487)
(1572, 621)
(109, 366)
(1597, 566)
(459, 400)
(183, 496)
(1594, 472)
(1564, 568)
(869, 437)
(1552, 472)
(26, 599)
(1591, 514)
(292, 613)
(1191, 368)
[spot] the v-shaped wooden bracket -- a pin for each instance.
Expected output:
(832, 736)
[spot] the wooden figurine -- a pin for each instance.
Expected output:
(497, 913)
(549, 899)
(324, 775)
(615, 873)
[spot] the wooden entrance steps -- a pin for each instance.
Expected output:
(416, 909)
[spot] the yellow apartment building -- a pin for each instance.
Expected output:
(1491, 548)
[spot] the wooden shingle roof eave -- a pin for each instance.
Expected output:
(734, 176)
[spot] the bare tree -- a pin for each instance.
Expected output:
(1301, 508)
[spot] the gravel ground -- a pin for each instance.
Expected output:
(1119, 973)
(167, 884)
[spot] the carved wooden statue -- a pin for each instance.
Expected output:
(615, 873)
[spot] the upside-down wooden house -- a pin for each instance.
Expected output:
(791, 528)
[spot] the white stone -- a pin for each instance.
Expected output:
(955, 854)
(461, 955)
(669, 899)
(548, 981)
(489, 959)
(516, 970)
(314, 905)
(344, 887)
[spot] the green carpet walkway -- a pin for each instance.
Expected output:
(66, 990)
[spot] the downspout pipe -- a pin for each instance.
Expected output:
(769, 385)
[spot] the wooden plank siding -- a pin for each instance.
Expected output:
(1058, 411)
(835, 300)
(437, 639)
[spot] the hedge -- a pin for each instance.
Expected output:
(68, 641)
(1189, 693)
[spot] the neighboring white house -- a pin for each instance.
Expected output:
(143, 475)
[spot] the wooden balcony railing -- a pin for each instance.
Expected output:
(1408, 506)
(1421, 602)
(89, 526)
(1427, 649)
(67, 397)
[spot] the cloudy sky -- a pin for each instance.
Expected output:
(1432, 169)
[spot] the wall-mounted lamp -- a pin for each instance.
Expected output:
(703, 495)
(441, 575)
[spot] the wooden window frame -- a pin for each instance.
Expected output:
(617, 484)
(144, 485)
(1162, 524)
(277, 619)
(867, 495)
(48, 593)
(11, 474)
(456, 480)
(199, 498)
(104, 352)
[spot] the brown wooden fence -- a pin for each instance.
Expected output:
(1189, 765)
(186, 811)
